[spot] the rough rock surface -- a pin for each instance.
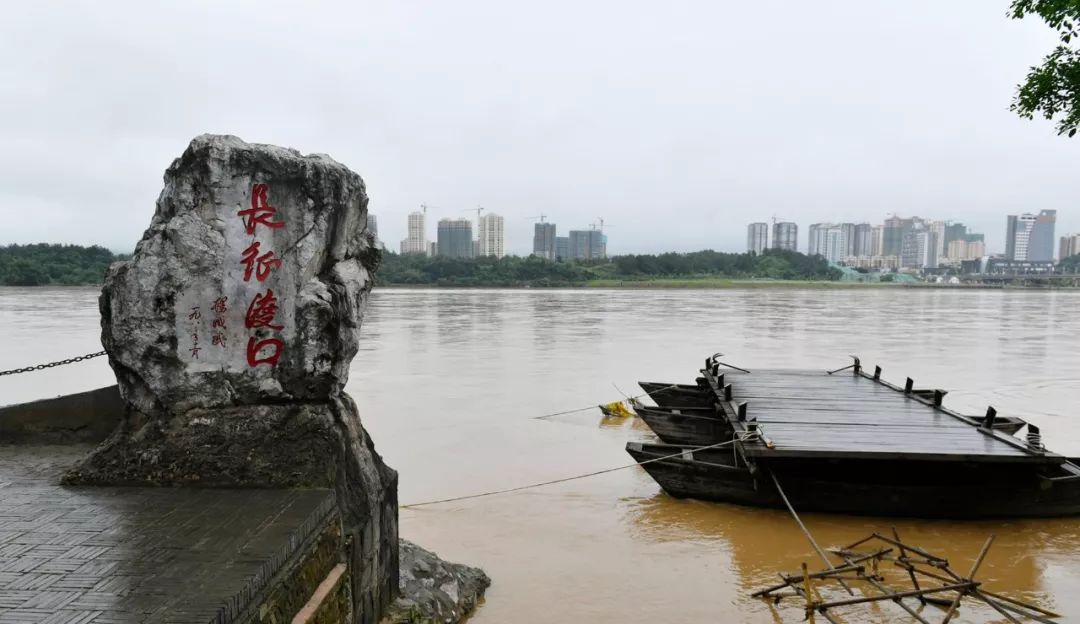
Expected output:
(231, 331)
(434, 591)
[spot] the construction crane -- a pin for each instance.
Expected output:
(477, 209)
(541, 217)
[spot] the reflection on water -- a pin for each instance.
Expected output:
(448, 383)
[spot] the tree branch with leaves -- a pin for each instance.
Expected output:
(1052, 89)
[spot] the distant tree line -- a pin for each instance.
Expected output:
(44, 264)
(1070, 264)
(417, 269)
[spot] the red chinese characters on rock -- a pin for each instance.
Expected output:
(263, 308)
(218, 328)
(260, 265)
(262, 311)
(260, 212)
(261, 314)
(256, 346)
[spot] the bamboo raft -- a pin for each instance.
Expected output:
(847, 441)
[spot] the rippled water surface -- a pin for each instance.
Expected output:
(448, 382)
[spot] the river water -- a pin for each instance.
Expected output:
(448, 383)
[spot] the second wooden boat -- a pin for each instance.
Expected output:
(677, 395)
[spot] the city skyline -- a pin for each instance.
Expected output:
(521, 242)
(941, 239)
(908, 242)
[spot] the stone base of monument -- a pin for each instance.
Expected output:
(138, 554)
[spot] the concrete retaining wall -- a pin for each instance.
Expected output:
(83, 417)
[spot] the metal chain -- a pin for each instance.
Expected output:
(30, 369)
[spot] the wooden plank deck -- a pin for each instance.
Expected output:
(848, 415)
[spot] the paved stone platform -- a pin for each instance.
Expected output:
(102, 555)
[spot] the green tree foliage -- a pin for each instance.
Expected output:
(415, 269)
(43, 264)
(1052, 89)
(1070, 264)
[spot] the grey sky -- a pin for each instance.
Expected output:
(678, 122)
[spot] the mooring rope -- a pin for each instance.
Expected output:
(592, 407)
(565, 479)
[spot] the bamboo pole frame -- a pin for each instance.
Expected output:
(945, 587)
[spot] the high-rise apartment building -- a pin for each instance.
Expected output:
(835, 247)
(1030, 237)
(1018, 235)
(416, 240)
(954, 232)
(863, 243)
(1041, 245)
(757, 237)
(849, 238)
(562, 247)
(830, 240)
(961, 249)
(938, 229)
(586, 245)
(919, 249)
(490, 236)
(455, 238)
(544, 240)
(785, 235)
(876, 242)
(373, 226)
(813, 238)
(893, 233)
(1069, 246)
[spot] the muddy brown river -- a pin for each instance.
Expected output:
(449, 382)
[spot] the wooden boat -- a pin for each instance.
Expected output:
(696, 426)
(851, 444)
(868, 487)
(677, 395)
(701, 426)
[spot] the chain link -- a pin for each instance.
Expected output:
(30, 369)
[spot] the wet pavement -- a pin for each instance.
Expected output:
(114, 554)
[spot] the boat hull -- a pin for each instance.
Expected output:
(714, 476)
(677, 395)
(688, 427)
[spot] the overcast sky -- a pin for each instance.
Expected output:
(677, 122)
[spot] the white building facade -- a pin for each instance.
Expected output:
(416, 241)
(757, 237)
(490, 236)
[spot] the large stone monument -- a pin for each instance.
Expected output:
(231, 331)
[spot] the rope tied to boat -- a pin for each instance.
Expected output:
(573, 478)
(592, 407)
